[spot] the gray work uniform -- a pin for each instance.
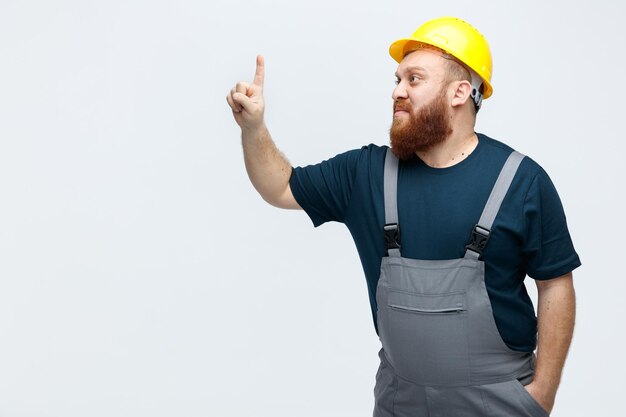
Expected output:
(442, 354)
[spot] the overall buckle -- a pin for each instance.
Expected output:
(478, 241)
(392, 236)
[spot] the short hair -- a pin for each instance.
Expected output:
(455, 71)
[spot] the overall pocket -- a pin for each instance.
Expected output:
(427, 337)
(534, 406)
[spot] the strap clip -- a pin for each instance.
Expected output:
(392, 236)
(478, 241)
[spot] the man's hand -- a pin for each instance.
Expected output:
(246, 100)
(544, 397)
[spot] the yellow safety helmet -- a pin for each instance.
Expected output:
(459, 39)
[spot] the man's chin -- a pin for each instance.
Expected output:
(399, 122)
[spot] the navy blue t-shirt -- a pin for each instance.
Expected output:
(437, 210)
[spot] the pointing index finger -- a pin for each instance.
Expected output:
(259, 75)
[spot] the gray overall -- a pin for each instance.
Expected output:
(442, 354)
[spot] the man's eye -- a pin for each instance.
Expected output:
(397, 81)
(414, 78)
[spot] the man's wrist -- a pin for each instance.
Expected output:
(548, 386)
(251, 130)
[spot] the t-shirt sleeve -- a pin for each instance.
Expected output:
(324, 190)
(548, 248)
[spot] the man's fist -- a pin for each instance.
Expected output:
(246, 100)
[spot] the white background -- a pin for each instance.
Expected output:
(141, 274)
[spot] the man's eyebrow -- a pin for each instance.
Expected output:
(413, 68)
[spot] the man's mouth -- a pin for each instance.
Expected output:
(400, 109)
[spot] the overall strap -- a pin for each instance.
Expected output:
(481, 232)
(391, 229)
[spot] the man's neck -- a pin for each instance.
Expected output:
(451, 151)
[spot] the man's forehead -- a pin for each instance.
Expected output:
(412, 68)
(426, 60)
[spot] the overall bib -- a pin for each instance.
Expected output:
(442, 354)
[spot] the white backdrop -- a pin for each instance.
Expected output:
(141, 274)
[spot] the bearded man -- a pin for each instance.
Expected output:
(448, 223)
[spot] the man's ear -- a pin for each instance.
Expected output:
(461, 92)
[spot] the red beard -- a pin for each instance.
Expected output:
(429, 127)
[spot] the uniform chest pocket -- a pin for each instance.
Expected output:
(427, 336)
(427, 303)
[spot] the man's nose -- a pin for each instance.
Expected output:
(399, 92)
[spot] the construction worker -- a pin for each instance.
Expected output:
(448, 223)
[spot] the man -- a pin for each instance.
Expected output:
(448, 223)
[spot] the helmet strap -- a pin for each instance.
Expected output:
(477, 89)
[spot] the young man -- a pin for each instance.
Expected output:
(448, 222)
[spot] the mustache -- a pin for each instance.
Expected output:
(401, 106)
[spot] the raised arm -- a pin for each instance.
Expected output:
(268, 169)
